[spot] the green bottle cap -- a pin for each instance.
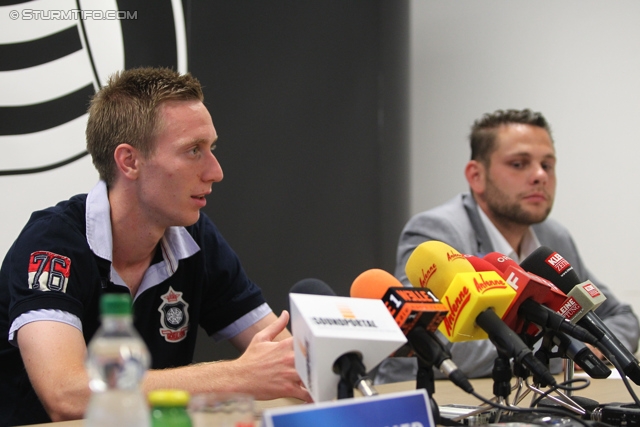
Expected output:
(115, 304)
(168, 397)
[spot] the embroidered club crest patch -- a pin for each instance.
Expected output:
(174, 316)
(48, 271)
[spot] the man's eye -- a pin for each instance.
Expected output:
(213, 147)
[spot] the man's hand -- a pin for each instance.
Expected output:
(268, 365)
(266, 369)
(54, 353)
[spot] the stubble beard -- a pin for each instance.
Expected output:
(511, 212)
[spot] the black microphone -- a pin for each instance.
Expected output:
(550, 265)
(312, 286)
(547, 318)
(581, 355)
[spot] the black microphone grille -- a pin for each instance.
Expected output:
(312, 286)
(550, 265)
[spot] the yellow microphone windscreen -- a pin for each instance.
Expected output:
(434, 264)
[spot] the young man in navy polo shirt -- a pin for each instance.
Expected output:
(139, 230)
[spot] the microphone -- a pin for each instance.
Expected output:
(418, 313)
(410, 307)
(582, 299)
(476, 301)
(312, 286)
(534, 297)
(340, 335)
(481, 264)
(537, 299)
(551, 265)
(423, 272)
(581, 355)
(500, 261)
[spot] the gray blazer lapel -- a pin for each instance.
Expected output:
(483, 242)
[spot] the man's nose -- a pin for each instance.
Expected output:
(213, 171)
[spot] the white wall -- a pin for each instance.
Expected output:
(576, 61)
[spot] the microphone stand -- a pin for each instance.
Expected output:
(523, 388)
(544, 354)
(501, 375)
(426, 380)
(569, 368)
(352, 375)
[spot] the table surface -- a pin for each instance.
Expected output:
(603, 390)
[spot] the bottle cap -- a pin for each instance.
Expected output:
(168, 397)
(115, 304)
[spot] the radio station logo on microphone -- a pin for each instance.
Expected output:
(513, 279)
(503, 258)
(427, 275)
(453, 256)
(455, 308)
(348, 319)
(570, 308)
(488, 285)
(557, 262)
(591, 289)
(414, 295)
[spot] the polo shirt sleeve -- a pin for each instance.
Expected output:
(228, 295)
(50, 267)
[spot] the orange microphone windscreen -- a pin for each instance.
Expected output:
(373, 284)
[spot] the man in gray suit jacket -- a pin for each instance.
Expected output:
(512, 183)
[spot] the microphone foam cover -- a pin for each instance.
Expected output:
(373, 284)
(480, 264)
(313, 287)
(434, 264)
(500, 262)
(552, 266)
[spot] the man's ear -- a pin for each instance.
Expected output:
(475, 172)
(127, 160)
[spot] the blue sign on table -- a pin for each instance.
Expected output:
(404, 409)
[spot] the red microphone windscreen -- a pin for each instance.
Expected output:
(480, 264)
(500, 262)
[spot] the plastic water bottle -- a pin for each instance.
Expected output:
(116, 362)
(169, 408)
